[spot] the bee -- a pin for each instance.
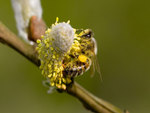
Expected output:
(84, 57)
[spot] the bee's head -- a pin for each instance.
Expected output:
(87, 34)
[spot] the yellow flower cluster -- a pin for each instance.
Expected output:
(51, 52)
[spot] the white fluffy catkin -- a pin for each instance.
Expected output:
(63, 35)
(23, 10)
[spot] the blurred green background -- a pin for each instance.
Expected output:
(122, 31)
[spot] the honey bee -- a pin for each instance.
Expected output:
(81, 60)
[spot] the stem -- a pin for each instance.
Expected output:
(9, 38)
(90, 101)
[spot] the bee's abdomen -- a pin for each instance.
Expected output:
(77, 68)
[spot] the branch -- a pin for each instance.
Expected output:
(9, 38)
(23, 10)
(91, 102)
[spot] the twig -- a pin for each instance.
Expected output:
(91, 102)
(9, 38)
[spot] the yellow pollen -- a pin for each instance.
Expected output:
(57, 19)
(68, 80)
(68, 22)
(52, 48)
(49, 75)
(52, 83)
(82, 58)
(42, 36)
(54, 57)
(38, 41)
(63, 86)
(47, 45)
(48, 30)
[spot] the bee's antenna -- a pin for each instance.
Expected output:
(79, 30)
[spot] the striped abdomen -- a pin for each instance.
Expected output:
(76, 68)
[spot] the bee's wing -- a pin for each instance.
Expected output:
(95, 66)
(92, 69)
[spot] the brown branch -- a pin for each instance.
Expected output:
(91, 102)
(9, 38)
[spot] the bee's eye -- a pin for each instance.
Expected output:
(87, 35)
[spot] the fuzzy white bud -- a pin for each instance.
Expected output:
(23, 10)
(63, 36)
(51, 49)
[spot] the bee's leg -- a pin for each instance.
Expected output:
(68, 85)
(71, 83)
(79, 30)
(60, 90)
